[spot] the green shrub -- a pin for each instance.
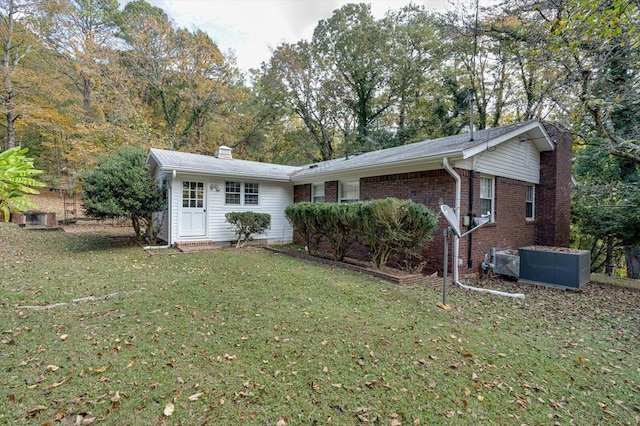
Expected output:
(121, 186)
(246, 224)
(389, 226)
(338, 226)
(304, 218)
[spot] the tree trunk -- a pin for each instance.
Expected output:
(632, 255)
(608, 263)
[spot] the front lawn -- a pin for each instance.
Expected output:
(252, 337)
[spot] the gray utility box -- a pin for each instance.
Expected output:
(554, 266)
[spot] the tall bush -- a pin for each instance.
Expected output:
(304, 218)
(339, 226)
(389, 226)
(246, 224)
(121, 186)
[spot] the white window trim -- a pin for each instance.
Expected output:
(315, 194)
(341, 198)
(242, 193)
(532, 201)
(492, 198)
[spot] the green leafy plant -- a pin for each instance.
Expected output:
(389, 226)
(338, 226)
(121, 186)
(246, 224)
(304, 217)
(16, 181)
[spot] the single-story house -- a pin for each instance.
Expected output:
(518, 176)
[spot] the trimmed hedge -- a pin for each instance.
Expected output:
(389, 226)
(246, 224)
(304, 219)
(385, 226)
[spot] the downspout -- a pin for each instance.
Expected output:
(169, 243)
(472, 175)
(456, 209)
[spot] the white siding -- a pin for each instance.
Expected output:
(512, 159)
(274, 197)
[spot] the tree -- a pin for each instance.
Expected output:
(588, 41)
(80, 32)
(296, 80)
(15, 44)
(209, 82)
(356, 47)
(16, 181)
(121, 186)
(150, 60)
(415, 55)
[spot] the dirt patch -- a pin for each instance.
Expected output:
(53, 202)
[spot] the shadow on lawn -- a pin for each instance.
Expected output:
(80, 243)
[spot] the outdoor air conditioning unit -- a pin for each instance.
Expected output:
(507, 262)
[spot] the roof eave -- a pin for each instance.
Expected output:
(377, 169)
(543, 143)
(197, 171)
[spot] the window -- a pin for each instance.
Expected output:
(251, 194)
(349, 192)
(239, 193)
(232, 193)
(530, 202)
(317, 192)
(192, 194)
(486, 197)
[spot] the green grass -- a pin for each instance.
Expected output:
(253, 337)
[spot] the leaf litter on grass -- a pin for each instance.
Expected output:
(246, 336)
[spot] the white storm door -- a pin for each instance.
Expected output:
(193, 214)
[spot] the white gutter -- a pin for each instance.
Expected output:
(456, 245)
(169, 243)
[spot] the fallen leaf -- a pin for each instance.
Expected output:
(395, 422)
(64, 337)
(60, 415)
(34, 410)
(53, 367)
(195, 396)
(168, 409)
(56, 384)
(116, 397)
(101, 369)
(281, 422)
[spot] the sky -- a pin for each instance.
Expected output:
(251, 28)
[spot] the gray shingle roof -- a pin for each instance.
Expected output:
(206, 164)
(430, 149)
(452, 146)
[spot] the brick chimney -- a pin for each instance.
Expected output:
(553, 199)
(224, 153)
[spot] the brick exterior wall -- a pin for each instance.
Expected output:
(331, 191)
(511, 230)
(302, 193)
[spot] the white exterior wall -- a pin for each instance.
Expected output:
(512, 159)
(161, 219)
(274, 197)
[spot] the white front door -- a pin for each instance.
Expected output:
(193, 213)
